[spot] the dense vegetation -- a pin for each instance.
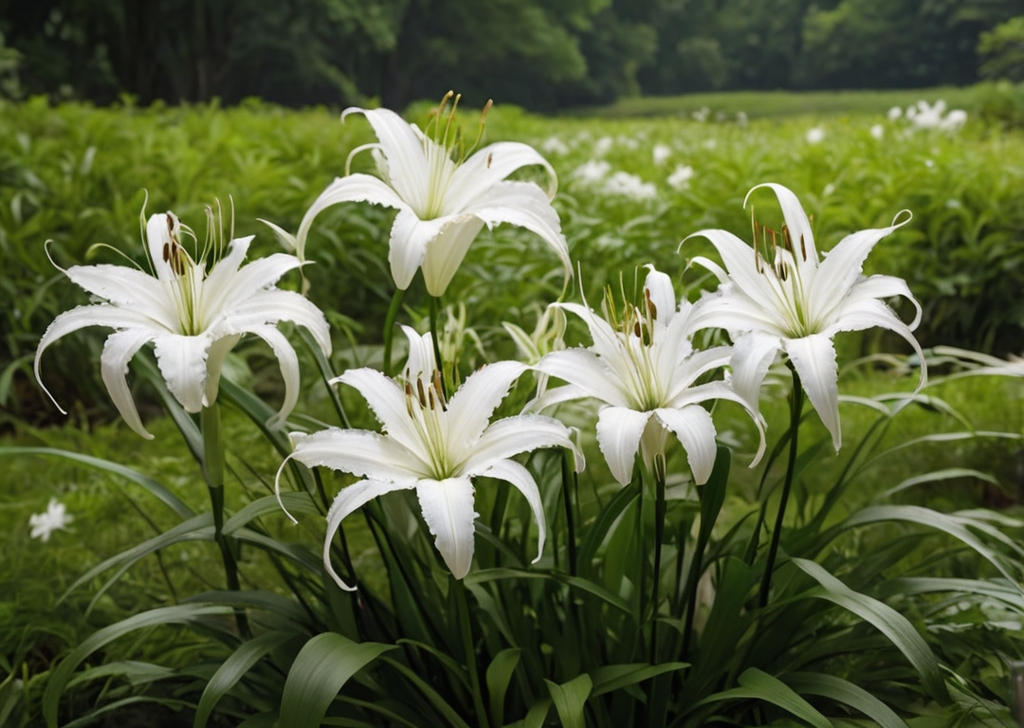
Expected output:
(533, 53)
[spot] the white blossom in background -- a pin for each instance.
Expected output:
(591, 172)
(741, 118)
(701, 114)
(631, 143)
(603, 145)
(554, 145)
(629, 185)
(55, 518)
(680, 178)
(895, 113)
(954, 120)
(877, 131)
(815, 135)
(661, 153)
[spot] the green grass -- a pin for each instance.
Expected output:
(761, 104)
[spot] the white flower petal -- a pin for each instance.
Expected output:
(403, 149)
(880, 287)
(475, 401)
(731, 309)
(752, 355)
(349, 500)
(215, 363)
(663, 296)
(158, 240)
(869, 313)
(742, 262)
(446, 252)
(125, 286)
(410, 237)
(514, 435)
(797, 222)
(814, 358)
(360, 452)
(448, 510)
(587, 373)
(514, 473)
(696, 432)
(118, 350)
(182, 361)
(525, 205)
(289, 365)
(271, 306)
(79, 318)
(388, 401)
(618, 435)
(491, 165)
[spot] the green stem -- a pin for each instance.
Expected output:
(213, 472)
(389, 327)
(796, 405)
(569, 484)
(659, 534)
(435, 309)
(470, 654)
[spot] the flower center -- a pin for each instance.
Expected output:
(635, 333)
(428, 410)
(445, 150)
(784, 277)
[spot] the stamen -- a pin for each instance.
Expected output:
(422, 394)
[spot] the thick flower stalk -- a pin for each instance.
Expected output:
(779, 296)
(443, 197)
(433, 446)
(192, 317)
(644, 370)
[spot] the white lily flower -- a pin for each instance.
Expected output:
(192, 318)
(796, 303)
(433, 446)
(644, 369)
(44, 524)
(442, 203)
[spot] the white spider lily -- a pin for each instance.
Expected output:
(442, 203)
(644, 370)
(433, 446)
(192, 318)
(54, 518)
(796, 304)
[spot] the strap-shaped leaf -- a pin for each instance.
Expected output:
(844, 691)
(499, 674)
(321, 668)
(233, 669)
(887, 620)
(758, 685)
(570, 698)
(610, 678)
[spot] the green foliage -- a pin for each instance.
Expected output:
(1002, 49)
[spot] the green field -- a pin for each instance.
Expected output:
(634, 180)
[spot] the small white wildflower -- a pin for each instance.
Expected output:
(829, 189)
(661, 153)
(591, 171)
(603, 145)
(680, 178)
(895, 113)
(554, 145)
(815, 135)
(43, 524)
(702, 114)
(629, 185)
(877, 131)
(954, 120)
(741, 118)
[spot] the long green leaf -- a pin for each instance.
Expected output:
(887, 620)
(163, 615)
(296, 503)
(166, 496)
(570, 698)
(758, 685)
(499, 674)
(321, 668)
(610, 678)
(233, 669)
(843, 691)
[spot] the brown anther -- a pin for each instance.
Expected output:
(803, 248)
(637, 330)
(652, 310)
(167, 252)
(430, 398)
(422, 394)
(490, 158)
(439, 389)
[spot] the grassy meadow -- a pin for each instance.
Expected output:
(634, 180)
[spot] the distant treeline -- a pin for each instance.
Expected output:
(541, 54)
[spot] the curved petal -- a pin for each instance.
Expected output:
(446, 252)
(814, 358)
(349, 500)
(125, 286)
(271, 306)
(618, 435)
(289, 365)
(448, 510)
(841, 267)
(360, 452)
(696, 432)
(182, 362)
(158, 237)
(410, 237)
(514, 473)
(353, 188)
(491, 165)
(79, 318)
(662, 295)
(420, 363)
(403, 149)
(227, 286)
(742, 263)
(215, 363)
(797, 222)
(752, 355)
(731, 309)
(880, 287)
(525, 205)
(586, 371)
(472, 405)
(118, 350)
(514, 435)
(388, 401)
